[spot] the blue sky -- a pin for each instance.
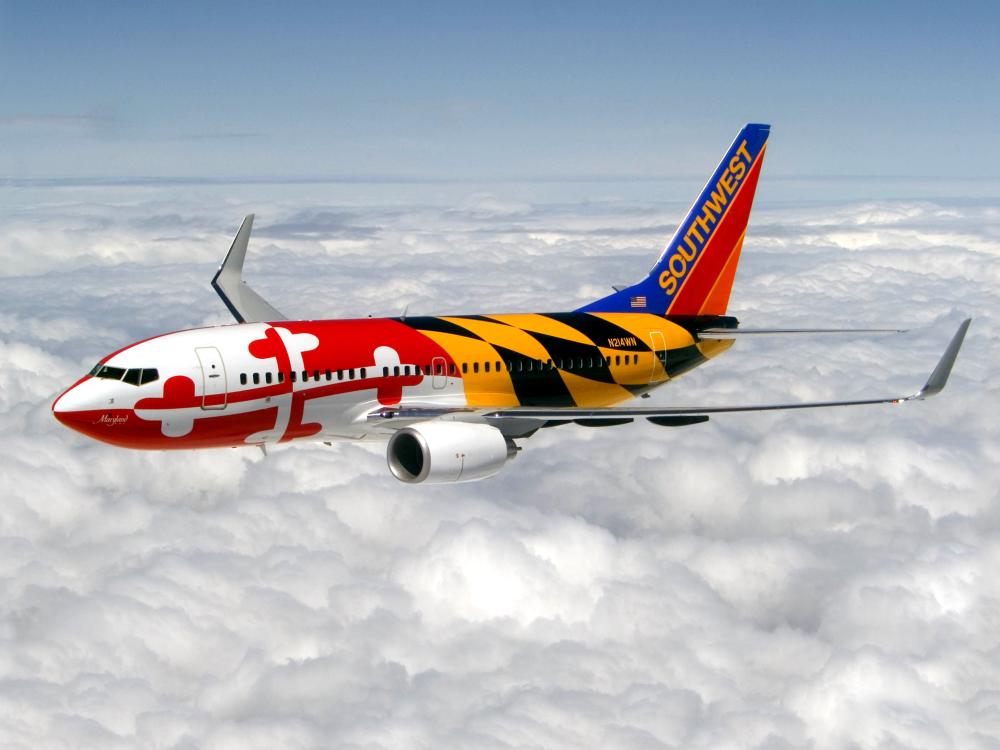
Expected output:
(493, 91)
(789, 579)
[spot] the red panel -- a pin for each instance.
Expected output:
(696, 289)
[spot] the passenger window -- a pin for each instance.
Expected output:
(486, 367)
(350, 374)
(395, 370)
(385, 372)
(292, 376)
(281, 377)
(267, 378)
(475, 367)
(316, 375)
(618, 360)
(243, 378)
(498, 366)
(465, 368)
(364, 374)
(519, 364)
(329, 375)
(453, 369)
(340, 374)
(406, 369)
(256, 378)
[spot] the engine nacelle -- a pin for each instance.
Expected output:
(440, 452)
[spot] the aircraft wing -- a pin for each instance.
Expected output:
(668, 415)
(732, 333)
(243, 302)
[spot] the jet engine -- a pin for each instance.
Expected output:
(439, 452)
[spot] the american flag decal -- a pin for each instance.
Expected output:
(639, 301)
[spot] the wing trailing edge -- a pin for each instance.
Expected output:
(673, 415)
(243, 302)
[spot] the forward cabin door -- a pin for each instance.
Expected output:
(659, 363)
(213, 378)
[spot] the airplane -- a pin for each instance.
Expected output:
(450, 394)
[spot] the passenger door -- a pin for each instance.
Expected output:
(213, 378)
(659, 363)
(439, 370)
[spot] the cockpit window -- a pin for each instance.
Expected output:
(107, 372)
(132, 376)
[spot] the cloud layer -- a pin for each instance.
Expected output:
(779, 580)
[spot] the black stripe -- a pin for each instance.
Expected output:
(438, 325)
(485, 319)
(683, 359)
(539, 387)
(563, 349)
(599, 331)
(637, 389)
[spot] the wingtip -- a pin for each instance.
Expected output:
(939, 377)
(242, 301)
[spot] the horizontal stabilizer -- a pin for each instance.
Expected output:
(243, 302)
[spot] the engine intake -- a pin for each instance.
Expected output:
(440, 452)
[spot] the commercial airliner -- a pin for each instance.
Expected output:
(451, 394)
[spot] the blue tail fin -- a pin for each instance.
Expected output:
(694, 275)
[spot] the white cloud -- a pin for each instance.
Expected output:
(782, 580)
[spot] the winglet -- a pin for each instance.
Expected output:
(939, 378)
(243, 302)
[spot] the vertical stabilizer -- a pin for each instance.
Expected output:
(695, 273)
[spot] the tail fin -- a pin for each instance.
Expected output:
(695, 273)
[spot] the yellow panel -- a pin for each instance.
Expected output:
(629, 374)
(714, 347)
(483, 388)
(542, 324)
(640, 324)
(587, 392)
(503, 335)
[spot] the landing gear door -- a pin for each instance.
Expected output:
(659, 364)
(213, 378)
(439, 370)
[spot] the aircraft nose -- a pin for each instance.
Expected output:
(68, 407)
(67, 402)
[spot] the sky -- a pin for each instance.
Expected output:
(786, 580)
(492, 91)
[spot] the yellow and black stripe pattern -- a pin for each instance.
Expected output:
(564, 359)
